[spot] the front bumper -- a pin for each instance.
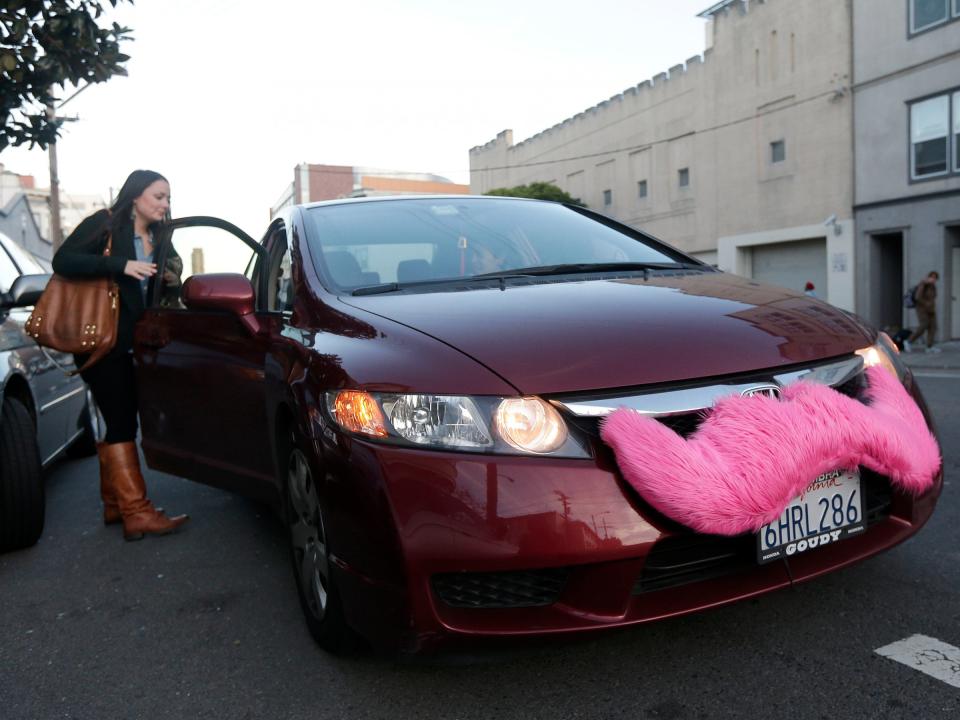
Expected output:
(576, 525)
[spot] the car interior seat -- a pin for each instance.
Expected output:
(413, 270)
(447, 261)
(344, 268)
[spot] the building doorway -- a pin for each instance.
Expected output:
(886, 281)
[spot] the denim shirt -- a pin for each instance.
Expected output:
(143, 257)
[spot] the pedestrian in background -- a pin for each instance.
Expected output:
(808, 289)
(132, 222)
(925, 297)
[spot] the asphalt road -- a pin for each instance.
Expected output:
(206, 624)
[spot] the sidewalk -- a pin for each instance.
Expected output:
(947, 358)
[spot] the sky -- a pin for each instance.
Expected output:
(226, 97)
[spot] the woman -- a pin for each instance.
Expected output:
(132, 222)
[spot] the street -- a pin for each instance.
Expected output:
(207, 624)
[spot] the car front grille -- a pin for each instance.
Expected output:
(516, 589)
(682, 407)
(690, 557)
(686, 424)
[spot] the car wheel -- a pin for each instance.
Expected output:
(21, 479)
(311, 558)
(94, 428)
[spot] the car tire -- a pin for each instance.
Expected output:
(21, 480)
(94, 428)
(310, 555)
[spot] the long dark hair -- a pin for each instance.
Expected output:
(121, 211)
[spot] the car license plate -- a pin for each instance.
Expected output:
(828, 510)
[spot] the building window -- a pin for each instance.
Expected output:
(778, 151)
(607, 198)
(930, 137)
(683, 176)
(642, 189)
(956, 128)
(925, 14)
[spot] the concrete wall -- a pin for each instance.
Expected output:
(901, 223)
(930, 229)
(776, 70)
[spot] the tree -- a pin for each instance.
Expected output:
(45, 44)
(537, 191)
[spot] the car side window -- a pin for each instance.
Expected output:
(280, 278)
(277, 267)
(196, 250)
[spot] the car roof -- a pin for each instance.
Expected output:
(394, 198)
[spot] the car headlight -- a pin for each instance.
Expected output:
(446, 421)
(530, 425)
(502, 425)
(884, 353)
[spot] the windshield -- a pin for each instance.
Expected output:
(407, 241)
(27, 262)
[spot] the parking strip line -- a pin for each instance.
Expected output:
(928, 655)
(951, 374)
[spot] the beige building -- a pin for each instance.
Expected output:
(742, 156)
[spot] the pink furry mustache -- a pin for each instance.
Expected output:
(752, 455)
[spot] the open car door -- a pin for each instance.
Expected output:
(200, 365)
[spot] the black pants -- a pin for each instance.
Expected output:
(114, 387)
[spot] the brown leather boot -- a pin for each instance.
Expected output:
(111, 512)
(139, 515)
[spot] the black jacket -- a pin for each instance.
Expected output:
(81, 255)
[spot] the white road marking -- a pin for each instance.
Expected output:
(928, 655)
(952, 374)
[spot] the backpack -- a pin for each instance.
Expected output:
(910, 297)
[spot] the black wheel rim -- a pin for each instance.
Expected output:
(307, 535)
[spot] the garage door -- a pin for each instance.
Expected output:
(792, 264)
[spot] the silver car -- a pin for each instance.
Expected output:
(44, 411)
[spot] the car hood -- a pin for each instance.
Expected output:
(556, 337)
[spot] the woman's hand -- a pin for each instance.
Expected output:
(139, 270)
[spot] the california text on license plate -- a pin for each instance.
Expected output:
(828, 510)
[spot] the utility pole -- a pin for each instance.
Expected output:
(56, 234)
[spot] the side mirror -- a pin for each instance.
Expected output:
(25, 291)
(227, 292)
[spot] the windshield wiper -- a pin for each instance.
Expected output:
(573, 268)
(395, 286)
(540, 270)
(376, 289)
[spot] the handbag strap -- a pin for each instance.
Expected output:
(54, 361)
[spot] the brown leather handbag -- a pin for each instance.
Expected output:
(77, 315)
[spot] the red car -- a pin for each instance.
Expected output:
(417, 386)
